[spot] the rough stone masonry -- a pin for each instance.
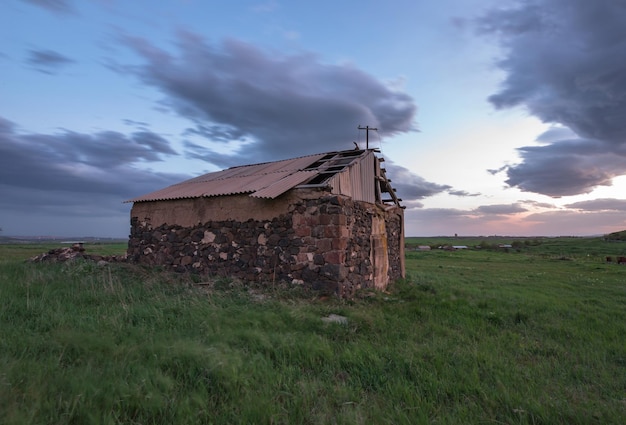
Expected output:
(329, 243)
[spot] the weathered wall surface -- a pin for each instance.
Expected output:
(191, 212)
(317, 239)
(394, 221)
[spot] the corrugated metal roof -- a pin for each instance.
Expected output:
(265, 180)
(353, 173)
(283, 185)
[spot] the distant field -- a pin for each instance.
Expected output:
(528, 335)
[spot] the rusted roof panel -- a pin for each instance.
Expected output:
(283, 185)
(216, 187)
(235, 180)
(177, 191)
(258, 169)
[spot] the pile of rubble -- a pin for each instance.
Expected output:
(76, 251)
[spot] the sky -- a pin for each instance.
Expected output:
(495, 117)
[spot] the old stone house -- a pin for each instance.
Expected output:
(330, 221)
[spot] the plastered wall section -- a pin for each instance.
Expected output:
(241, 207)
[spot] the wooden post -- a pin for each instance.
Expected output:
(367, 129)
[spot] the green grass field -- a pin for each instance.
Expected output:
(529, 335)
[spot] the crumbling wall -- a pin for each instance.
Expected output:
(323, 242)
(394, 221)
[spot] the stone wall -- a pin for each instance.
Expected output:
(323, 243)
(394, 221)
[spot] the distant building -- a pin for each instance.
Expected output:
(330, 221)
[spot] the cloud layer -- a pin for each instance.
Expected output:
(565, 62)
(47, 61)
(72, 174)
(275, 105)
(243, 106)
(56, 6)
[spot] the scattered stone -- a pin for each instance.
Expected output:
(335, 318)
(76, 251)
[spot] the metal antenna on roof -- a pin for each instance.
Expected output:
(367, 129)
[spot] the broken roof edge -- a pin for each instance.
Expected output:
(285, 184)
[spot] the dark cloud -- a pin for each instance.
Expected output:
(462, 193)
(602, 204)
(502, 209)
(47, 61)
(537, 204)
(555, 134)
(218, 133)
(480, 218)
(277, 105)
(155, 143)
(567, 167)
(141, 125)
(584, 218)
(57, 6)
(565, 62)
(106, 149)
(443, 221)
(569, 222)
(410, 204)
(444, 213)
(410, 186)
(498, 170)
(72, 174)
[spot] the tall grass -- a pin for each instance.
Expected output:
(469, 337)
